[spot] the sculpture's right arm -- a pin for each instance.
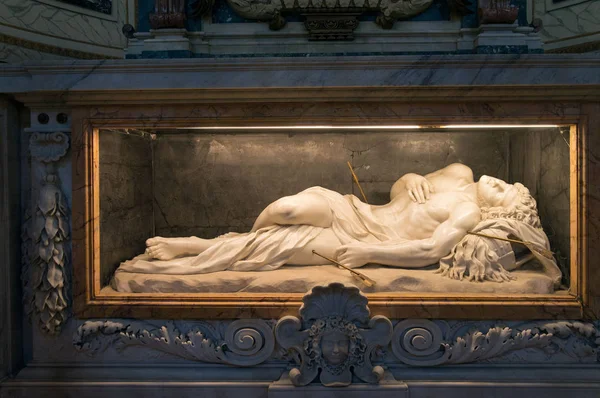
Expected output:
(447, 179)
(415, 253)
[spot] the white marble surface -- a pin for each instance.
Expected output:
(300, 279)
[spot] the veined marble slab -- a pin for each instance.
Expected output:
(373, 72)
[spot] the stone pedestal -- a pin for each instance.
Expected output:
(388, 388)
(506, 39)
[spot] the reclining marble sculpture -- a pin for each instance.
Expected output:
(426, 222)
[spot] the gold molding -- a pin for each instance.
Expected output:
(91, 301)
(45, 48)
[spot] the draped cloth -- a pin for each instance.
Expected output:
(353, 221)
(271, 247)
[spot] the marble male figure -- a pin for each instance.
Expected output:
(425, 222)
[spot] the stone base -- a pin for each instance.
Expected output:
(300, 279)
(388, 388)
(506, 39)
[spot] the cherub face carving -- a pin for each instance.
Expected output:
(335, 347)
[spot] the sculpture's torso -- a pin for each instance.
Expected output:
(414, 220)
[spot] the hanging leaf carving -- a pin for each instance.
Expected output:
(50, 230)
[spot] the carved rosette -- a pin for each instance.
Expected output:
(244, 343)
(334, 336)
(49, 234)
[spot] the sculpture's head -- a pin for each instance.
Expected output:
(493, 192)
(506, 209)
(499, 199)
(335, 347)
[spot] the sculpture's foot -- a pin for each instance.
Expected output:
(169, 248)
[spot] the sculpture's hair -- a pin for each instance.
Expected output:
(474, 256)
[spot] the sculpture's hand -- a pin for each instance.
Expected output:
(353, 255)
(419, 189)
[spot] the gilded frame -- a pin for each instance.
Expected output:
(581, 301)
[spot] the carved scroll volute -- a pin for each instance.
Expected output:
(168, 14)
(49, 233)
(246, 342)
(334, 336)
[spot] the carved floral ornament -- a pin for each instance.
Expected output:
(324, 19)
(334, 337)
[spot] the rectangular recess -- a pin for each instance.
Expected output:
(91, 302)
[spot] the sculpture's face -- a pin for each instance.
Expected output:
(335, 347)
(494, 192)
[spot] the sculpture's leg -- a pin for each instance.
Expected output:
(169, 248)
(303, 208)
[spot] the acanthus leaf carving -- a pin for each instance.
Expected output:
(244, 343)
(45, 272)
(424, 343)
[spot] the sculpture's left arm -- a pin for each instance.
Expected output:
(415, 253)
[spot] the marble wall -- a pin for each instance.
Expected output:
(126, 216)
(209, 184)
(568, 23)
(540, 160)
(58, 28)
(553, 195)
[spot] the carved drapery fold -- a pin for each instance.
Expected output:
(48, 231)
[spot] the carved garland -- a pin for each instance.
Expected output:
(49, 234)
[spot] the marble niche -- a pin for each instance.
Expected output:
(187, 182)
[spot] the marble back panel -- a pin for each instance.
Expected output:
(126, 216)
(210, 184)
